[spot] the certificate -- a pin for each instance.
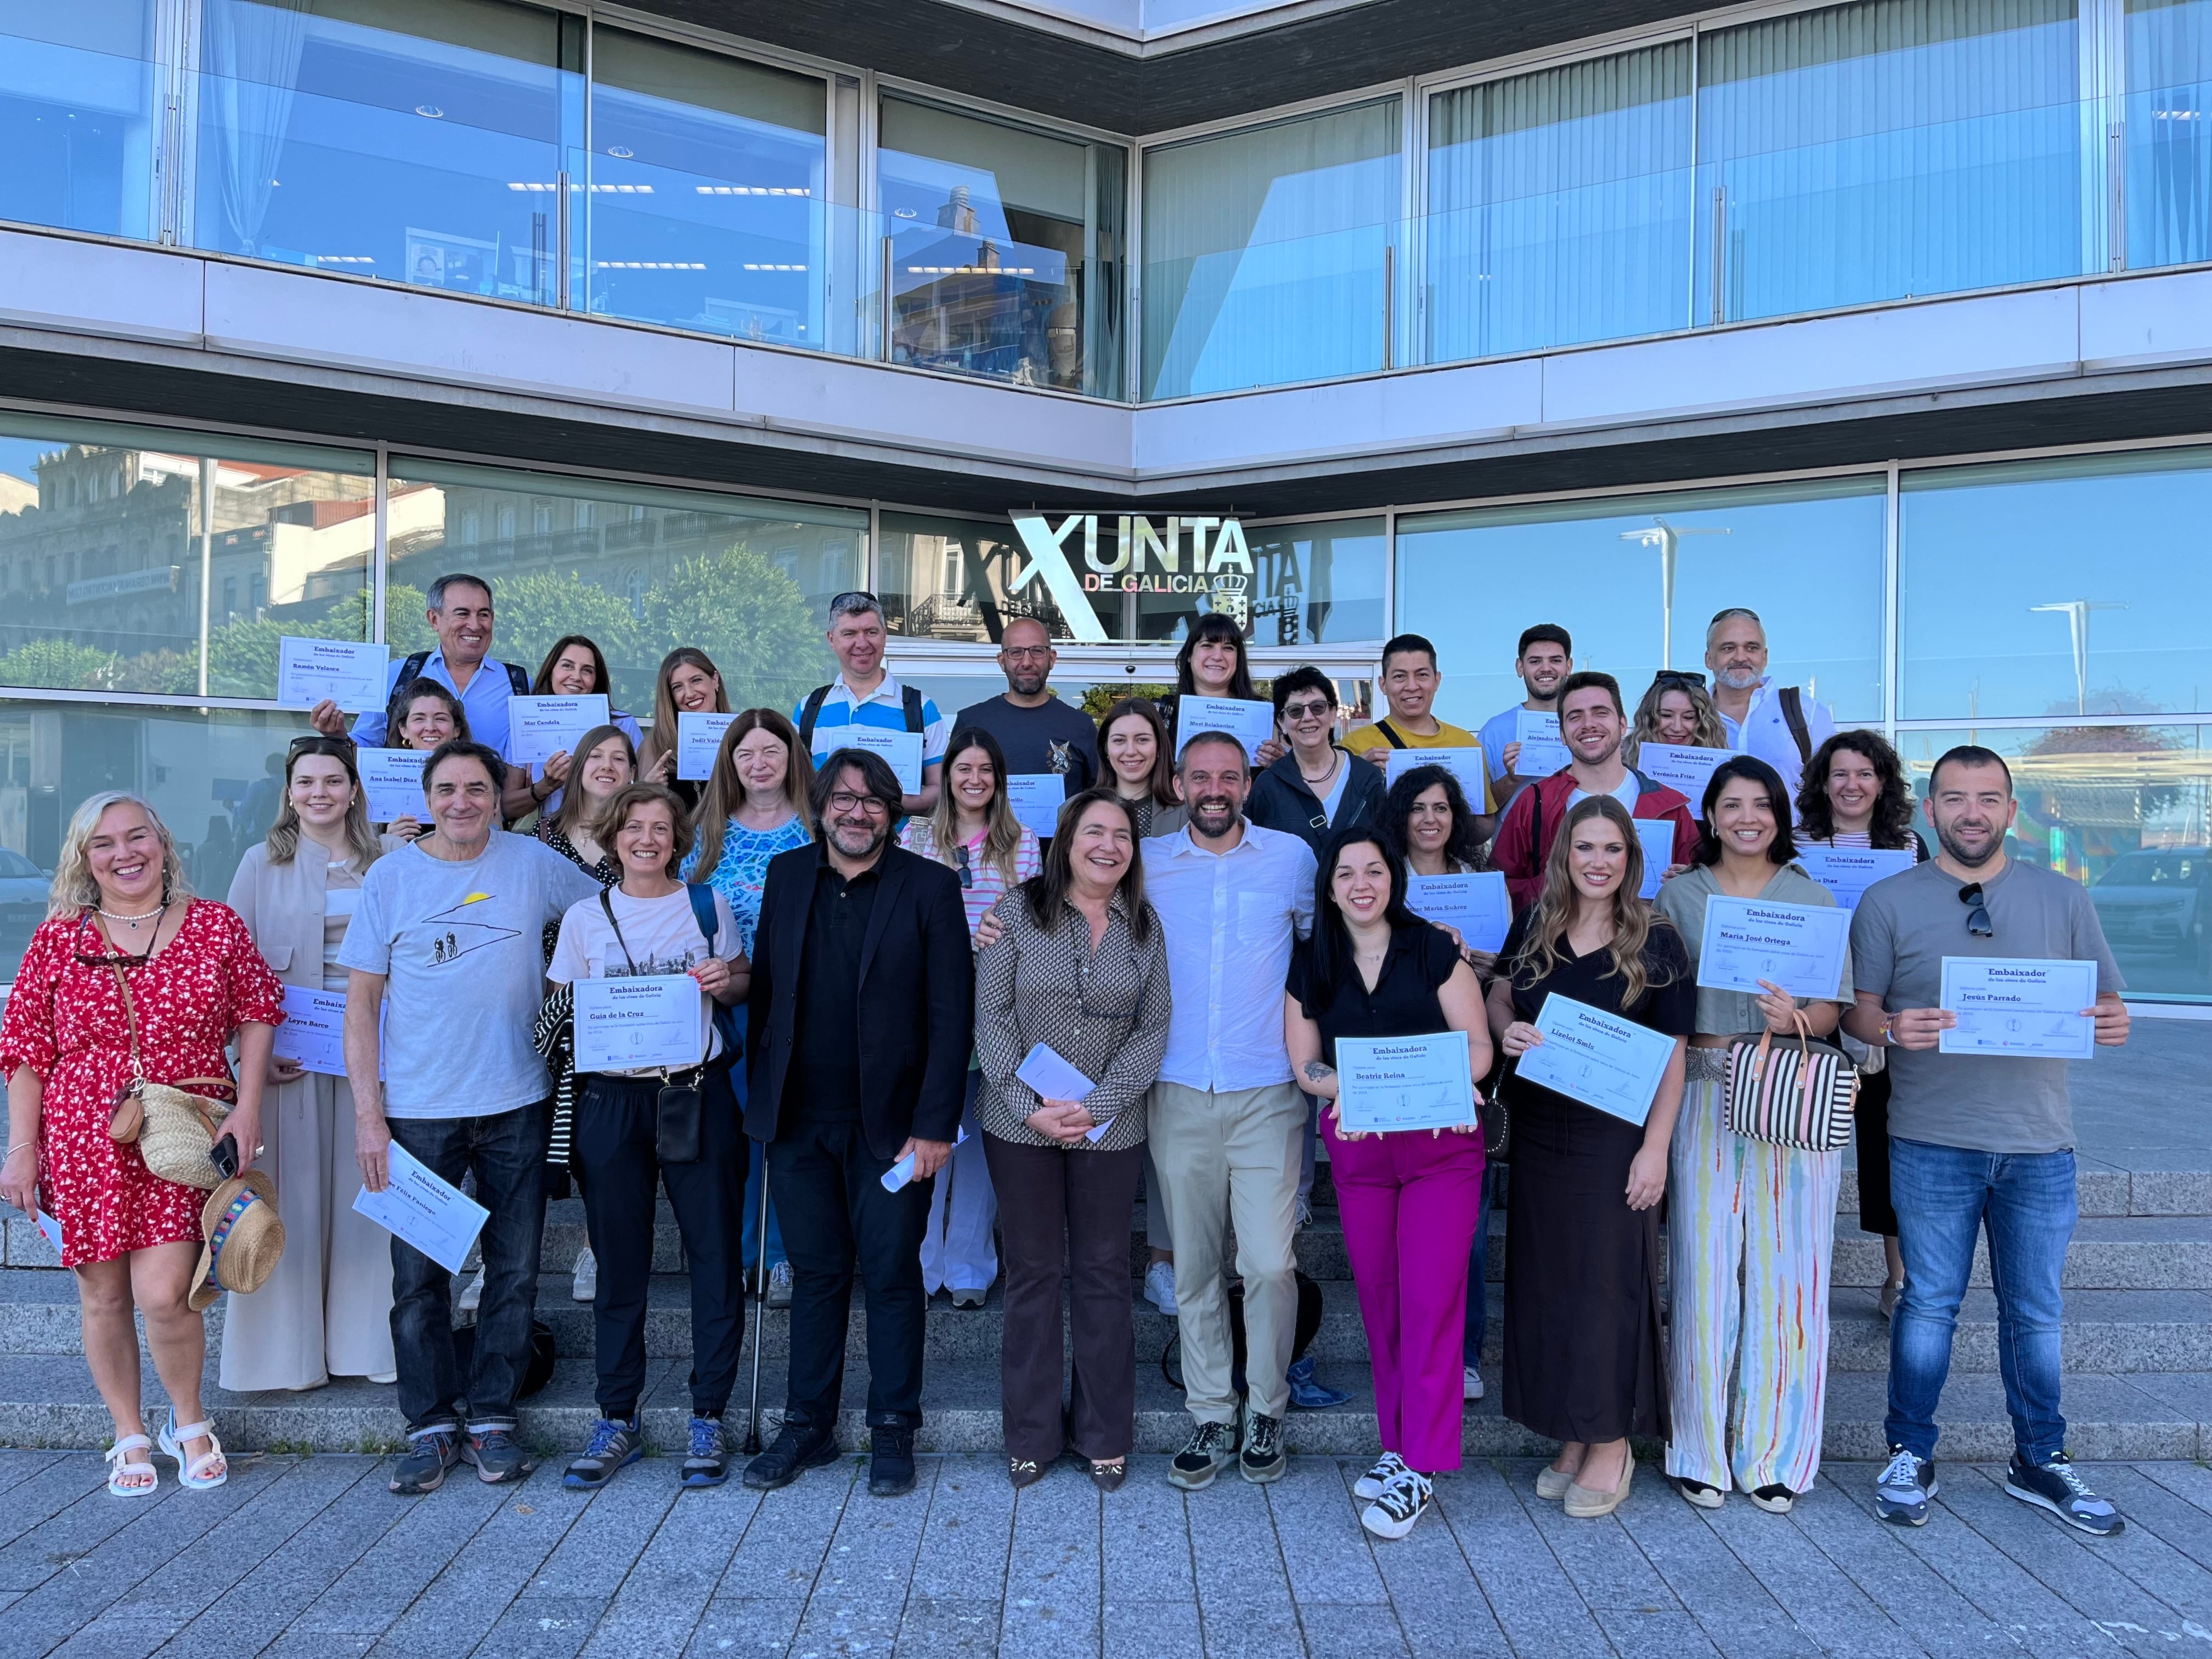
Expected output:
(902, 1172)
(1464, 763)
(347, 673)
(314, 1031)
(393, 780)
(1404, 1083)
(1250, 723)
(1657, 835)
(1599, 1058)
(539, 729)
(1542, 753)
(418, 1209)
(1848, 872)
(638, 1024)
(697, 737)
(1035, 798)
(2014, 1006)
(1799, 947)
(1054, 1079)
(1476, 904)
(1679, 766)
(52, 1229)
(901, 750)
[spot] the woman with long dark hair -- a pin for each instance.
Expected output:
(575, 666)
(1139, 764)
(429, 715)
(688, 683)
(1584, 1361)
(1212, 663)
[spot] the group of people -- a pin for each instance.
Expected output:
(935, 1049)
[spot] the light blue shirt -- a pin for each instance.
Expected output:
(1496, 731)
(485, 702)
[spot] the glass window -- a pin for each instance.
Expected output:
(1266, 253)
(1311, 584)
(77, 95)
(1895, 148)
(2169, 132)
(1635, 580)
(1559, 206)
(950, 579)
(749, 582)
(2125, 808)
(2101, 606)
(1003, 247)
(101, 540)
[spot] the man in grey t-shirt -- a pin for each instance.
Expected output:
(1976, 1140)
(451, 930)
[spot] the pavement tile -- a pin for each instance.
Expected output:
(2182, 1526)
(965, 1542)
(1601, 1557)
(950, 1626)
(1441, 1609)
(1734, 1610)
(542, 1625)
(1348, 1630)
(380, 1586)
(1834, 1612)
(603, 1540)
(2191, 1482)
(1656, 1635)
(1876, 1558)
(1325, 1549)
(784, 1544)
(746, 1627)
(2148, 1552)
(465, 1600)
(1235, 1552)
(1053, 1592)
(1530, 1593)
(1150, 1630)
(1145, 1554)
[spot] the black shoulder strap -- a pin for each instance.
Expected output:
(607, 905)
(910, 697)
(809, 715)
(1390, 732)
(410, 672)
(516, 681)
(1793, 713)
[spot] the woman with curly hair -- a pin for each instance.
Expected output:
(1677, 710)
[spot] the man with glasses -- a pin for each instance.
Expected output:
(1036, 732)
(1543, 660)
(1779, 724)
(864, 693)
(1976, 1140)
(862, 1016)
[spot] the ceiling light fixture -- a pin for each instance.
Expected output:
(753, 189)
(750, 266)
(649, 265)
(430, 109)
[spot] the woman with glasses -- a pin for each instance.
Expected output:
(1676, 710)
(326, 1311)
(131, 977)
(1854, 794)
(429, 715)
(1133, 741)
(1319, 787)
(688, 684)
(574, 667)
(974, 831)
(1751, 1224)
(1213, 663)
(1081, 967)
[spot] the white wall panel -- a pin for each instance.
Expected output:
(99, 288)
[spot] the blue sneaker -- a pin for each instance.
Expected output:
(707, 1463)
(2055, 1486)
(1308, 1392)
(613, 1446)
(1903, 1489)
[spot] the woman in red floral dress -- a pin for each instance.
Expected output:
(120, 900)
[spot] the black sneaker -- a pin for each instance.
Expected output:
(614, 1445)
(1264, 1459)
(1902, 1491)
(1777, 1499)
(707, 1462)
(797, 1447)
(1210, 1446)
(430, 1453)
(1399, 1505)
(890, 1463)
(499, 1458)
(2055, 1486)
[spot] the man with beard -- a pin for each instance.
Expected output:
(1227, 1120)
(1778, 723)
(1036, 732)
(1976, 1140)
(1545, 659)
(862, 1016)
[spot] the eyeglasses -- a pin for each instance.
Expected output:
(1024, 652)
(1978, 918)
(1679, 676)
(845, 801)
(1317, 709)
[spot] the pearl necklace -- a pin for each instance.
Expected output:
(115, 915)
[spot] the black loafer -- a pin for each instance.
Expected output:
(797, 1447)
(890, 1468)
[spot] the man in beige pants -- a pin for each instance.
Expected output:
(1226, 1119)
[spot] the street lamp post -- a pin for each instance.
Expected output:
(2077, 612)
(1667, 539)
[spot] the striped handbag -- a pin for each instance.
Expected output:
(1805, 1100)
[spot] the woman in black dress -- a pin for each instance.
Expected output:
(1583, 1358)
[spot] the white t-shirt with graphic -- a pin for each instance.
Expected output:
(663, 936)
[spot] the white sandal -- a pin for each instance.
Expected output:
(118, 1458)
(190, 1473)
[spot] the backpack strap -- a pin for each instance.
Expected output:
(702, 910)
(910, 697)
(411, 670)
(1390, 733)
(518, 682)
(726, 1018)
(1793, 714)
(809, 715)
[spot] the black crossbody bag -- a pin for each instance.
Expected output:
(680, 1110)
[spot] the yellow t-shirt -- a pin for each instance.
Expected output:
(1365, 739)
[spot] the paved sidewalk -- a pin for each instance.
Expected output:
(312, 1557)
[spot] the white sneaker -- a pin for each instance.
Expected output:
(779, 1285)
(1403, 1502)
(586, 1285)
(1387, 1468)
(472, 1292)
(1470, 1383)
(1159, 1287)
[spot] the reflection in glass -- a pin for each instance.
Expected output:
(2101, 605)
(1317, 583)
(78, 99)
(2169, 132)
(1807, 557)
(2122, 808)
(947, 579)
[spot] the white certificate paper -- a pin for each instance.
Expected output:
(2025, 1007)
(697, 737)
(393, 780)
(902, 1172)
(1476, 904)
(347, 673)
(1464, 763)
(538, 728)
(638, 1023)
(901, 750)
(1404, 1083)
(1848, 872)
(1035, 798)
(1657, 835)
(1250, 723)
(1679, 766)
(1799, 947)
(418, 1209)
(314, 1031)
(1045, 1070)
(1597, 1057)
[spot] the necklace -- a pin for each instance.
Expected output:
(115, 915)
(1335, 760)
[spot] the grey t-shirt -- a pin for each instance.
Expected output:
(1905, 925)
(1682, 901)
(462, 945)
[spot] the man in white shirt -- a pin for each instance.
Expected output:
(1779, 724)
(865, 694)
(1227, 1120)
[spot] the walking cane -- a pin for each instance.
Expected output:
(760, 1314)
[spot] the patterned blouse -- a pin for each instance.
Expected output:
(741, 874)
(1104, 1011)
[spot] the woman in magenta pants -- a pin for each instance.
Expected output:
(1410, 1197)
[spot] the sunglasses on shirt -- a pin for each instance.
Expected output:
(1978, 918)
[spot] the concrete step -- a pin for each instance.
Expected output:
(2107, 1253)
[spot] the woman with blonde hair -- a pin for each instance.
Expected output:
(688, 684)
(973, 830)
(130, 978)
(326, 1311)
(1676, 709)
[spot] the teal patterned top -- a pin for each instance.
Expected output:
(743, 871)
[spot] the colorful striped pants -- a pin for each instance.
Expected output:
(1750, 1229)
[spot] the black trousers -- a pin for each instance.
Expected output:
(828, 1190)
(614, 1141)
(1870, 1132)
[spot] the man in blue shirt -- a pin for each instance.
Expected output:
(460, 614)
(864, 693)
(1545, 659)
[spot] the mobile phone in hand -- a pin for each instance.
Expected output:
(225, 1154)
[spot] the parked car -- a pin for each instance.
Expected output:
(2158, 901)
(23, 888)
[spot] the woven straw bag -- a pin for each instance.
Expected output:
(174, 1128)
(1804, 1097)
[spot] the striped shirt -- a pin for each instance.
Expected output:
(986, 882)
(884, 707)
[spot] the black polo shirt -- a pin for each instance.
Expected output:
(824, 1085)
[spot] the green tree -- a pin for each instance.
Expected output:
(747, 615)
(60, 664)
(534, 611)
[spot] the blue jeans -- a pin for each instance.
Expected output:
(505, 1154)
(1478, 1271)
(1944, 1196)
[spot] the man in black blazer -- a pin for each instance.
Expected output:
(863, 1016)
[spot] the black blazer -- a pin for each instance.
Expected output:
(915, 1005)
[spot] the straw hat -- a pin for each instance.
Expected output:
(245, 1236)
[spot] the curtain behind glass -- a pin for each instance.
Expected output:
(1879, 151)
(1264, 253)
(1559, 206)
(253, 69)
(2169, 132)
